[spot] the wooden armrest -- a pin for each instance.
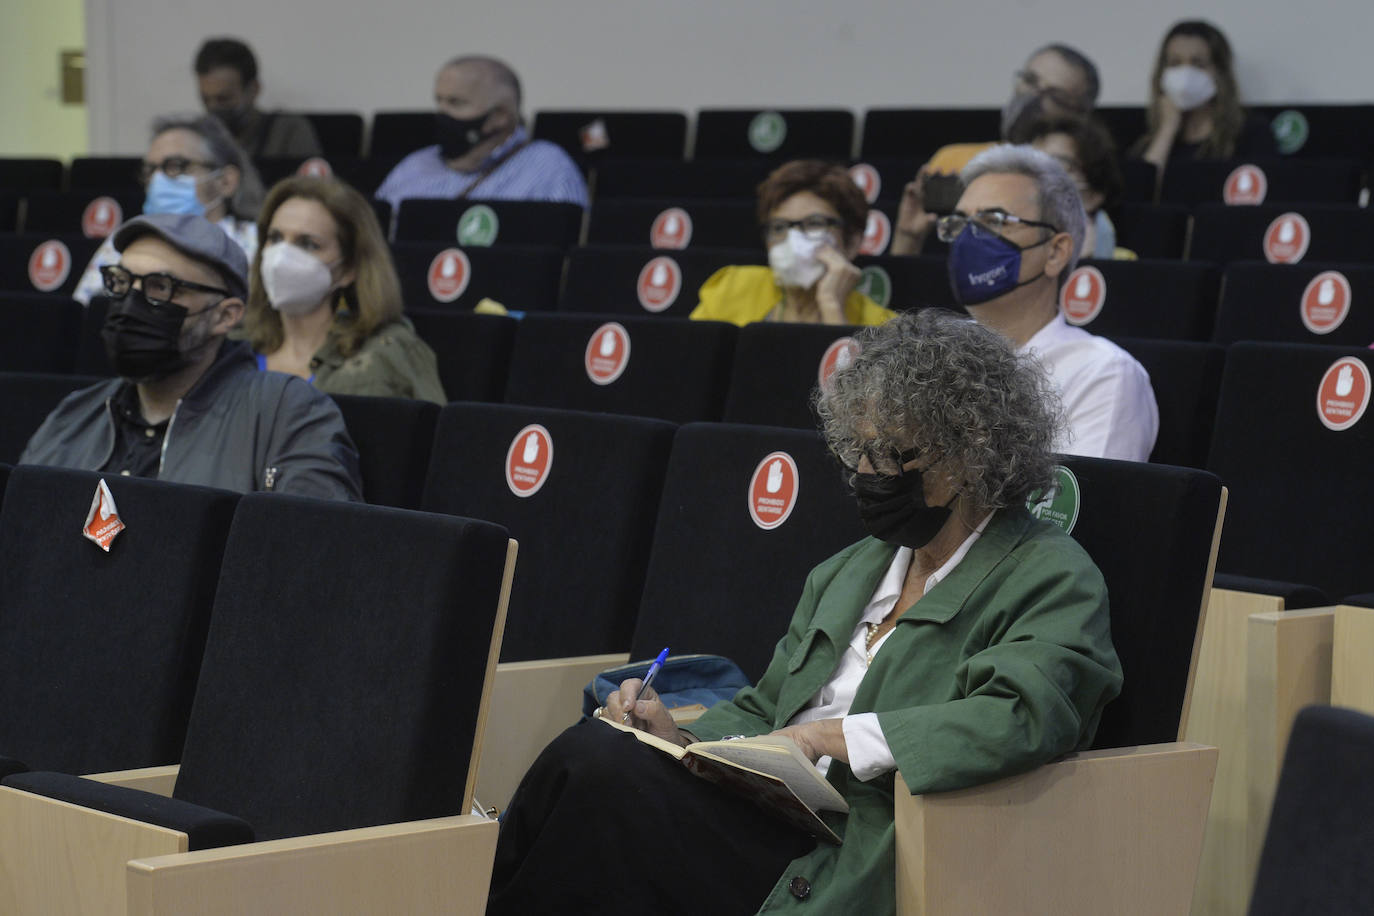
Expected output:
(158, 780)
(1113, 831)
(434, 866)
(1352, 683)
(531, 703)
(56, 857)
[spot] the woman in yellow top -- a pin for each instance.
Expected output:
(813, 217)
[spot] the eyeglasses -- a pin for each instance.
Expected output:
(985, 223)
(172, 167)
(891, 464)
(815, 227)
(1029, 81)
(158, 288)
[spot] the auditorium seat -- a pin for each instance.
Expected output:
(1186, 378)
(777, 367)
(41, 333)
(916, 133)
(1130, 814)
(658, 178)
(21, 174)
(1302, 303)
(1274, 181)
(472, 224)
(343, 710)
(674, 223)
(394, 437)
(365, 174)
(396, 133)
(1296, 461)
(1162, 299)
(473, 351)
(439, 276)
(44, 263)
(718, 581)
(1126, 124)
(1306, 130)
(625, 280)
(99, 651)
(1319, 846)
(892, 173)
(26, 399)
(780, 133)
(340, 132)
(591, 135)
(106, 173)
(905, 282)
(1280, 234)
(9, 211)
(1140, 181)
(580, 497)
(92, 214)
(1153, 230)
(646, 366)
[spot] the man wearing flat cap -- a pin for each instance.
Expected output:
(189, 405)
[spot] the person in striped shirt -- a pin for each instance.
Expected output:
(483, 149)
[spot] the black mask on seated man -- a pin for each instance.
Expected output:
(143, 341)
(457, 136)
(893, 508)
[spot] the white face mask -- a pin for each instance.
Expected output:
(295, 281)
(794, 260)
(1188, 87)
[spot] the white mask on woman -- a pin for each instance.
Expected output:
(1188, 87)
(794, 260)
(295, 281)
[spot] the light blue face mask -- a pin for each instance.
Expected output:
(172, 195)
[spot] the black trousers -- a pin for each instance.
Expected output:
(604, 824)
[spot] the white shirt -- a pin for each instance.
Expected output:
(869, 754)
(1109, 406)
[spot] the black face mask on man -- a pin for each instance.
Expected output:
(893, 508)
(144, 342)
(457, 136)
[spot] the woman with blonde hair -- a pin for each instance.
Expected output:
(1195, 110)
(324, 300)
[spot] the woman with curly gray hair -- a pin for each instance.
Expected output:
(963, 642)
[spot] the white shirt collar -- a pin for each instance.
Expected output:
(890, 587)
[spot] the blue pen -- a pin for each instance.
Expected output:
(648, 679)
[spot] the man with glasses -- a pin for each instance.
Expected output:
(1014, 238)
(1056, 80)
(192, 166)
(190, 406)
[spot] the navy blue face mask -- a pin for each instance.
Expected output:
(983, 267)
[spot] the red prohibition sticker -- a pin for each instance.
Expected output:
(49, 266)
(837, 356)
(1325, 302)
(671, 229)
(1343, 394)
(608, 353)
(868, 180)
(1286, 239)
(877, 233)
(1246, 185)
(315, 167)
(103, 523)
(101, 217)
(1083, 295)
(528, 460)
(773, 490)
(449, 274)
(660, 281)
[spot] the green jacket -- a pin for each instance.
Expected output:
(1003, 666)
(393, 363)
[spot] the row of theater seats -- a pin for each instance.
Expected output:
(1300, 130)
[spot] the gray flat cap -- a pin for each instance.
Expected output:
(196, 237)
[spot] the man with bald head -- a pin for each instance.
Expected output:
(483, 150)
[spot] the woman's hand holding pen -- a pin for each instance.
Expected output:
(647, 712)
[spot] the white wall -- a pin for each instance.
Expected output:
(32, 34)
(322, 55)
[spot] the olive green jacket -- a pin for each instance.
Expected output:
(1004, 665)
(393, 363)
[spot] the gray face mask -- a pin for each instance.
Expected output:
(1019, 113)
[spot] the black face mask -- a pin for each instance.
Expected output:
(893, 508)
(142, 341)
(457, 136)
(232, 118)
